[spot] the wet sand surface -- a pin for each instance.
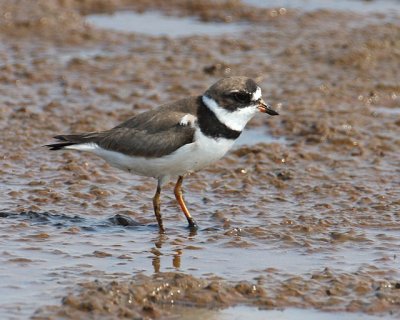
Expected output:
(302, 216)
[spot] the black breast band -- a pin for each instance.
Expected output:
(211, 126)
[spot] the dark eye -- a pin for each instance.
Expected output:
(242, 97)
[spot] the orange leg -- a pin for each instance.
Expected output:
(179, 198)
(156, 206)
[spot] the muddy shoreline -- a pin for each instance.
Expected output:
(321, 205)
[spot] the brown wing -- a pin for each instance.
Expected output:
(150, 134)
(163, 117)
(145, 144)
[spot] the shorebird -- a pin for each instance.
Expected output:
(176, 138)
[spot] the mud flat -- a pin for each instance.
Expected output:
(302, 216)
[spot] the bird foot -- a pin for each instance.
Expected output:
(192, 224)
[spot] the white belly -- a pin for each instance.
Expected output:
(189, 158)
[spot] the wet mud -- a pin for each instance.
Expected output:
(146, 297)
(303, 213)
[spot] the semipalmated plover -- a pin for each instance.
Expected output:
(177, 138)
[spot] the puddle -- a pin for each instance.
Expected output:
(254, 136)
(74, 249)
(157, 24)
(242, 312)
(385, 111)
(375, 6)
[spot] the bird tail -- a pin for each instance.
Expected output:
(70, 140)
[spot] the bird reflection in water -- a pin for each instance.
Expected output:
(176, 256)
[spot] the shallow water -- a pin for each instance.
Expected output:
(48, 253)
(306, 206)
(243, 312)
(374, 6)
(254, 136)
(157, 24)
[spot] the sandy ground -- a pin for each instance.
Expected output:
(331, 186)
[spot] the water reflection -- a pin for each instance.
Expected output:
(176, 261)
(163, 240)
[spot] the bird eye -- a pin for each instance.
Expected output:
(242, 97)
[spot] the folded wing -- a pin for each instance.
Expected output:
(150, 134)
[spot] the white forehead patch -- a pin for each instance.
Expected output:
(257, 94)
(188, 120)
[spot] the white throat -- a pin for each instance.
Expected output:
(256, 94)
(235, 120)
